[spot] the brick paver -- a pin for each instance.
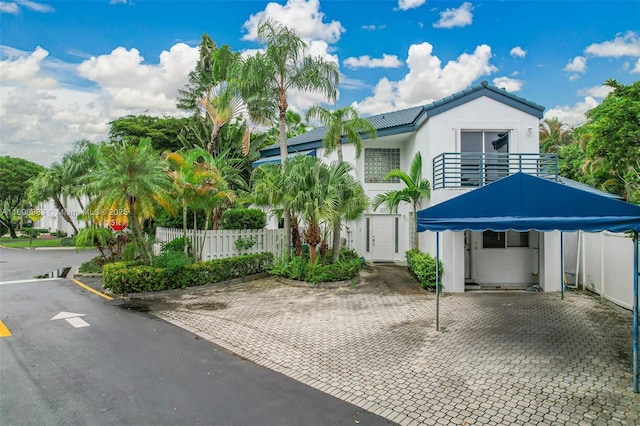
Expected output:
(509, 358)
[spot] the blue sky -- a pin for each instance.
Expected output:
(67, 68)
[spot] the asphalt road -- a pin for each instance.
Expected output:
(21, 264)
(116, 366)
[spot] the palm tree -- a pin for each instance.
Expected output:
(415, 189)
(350, 202)
(341, 123)
(193, 181)
(554, 135)
(130, 182)
(267, 77)
(51, 184)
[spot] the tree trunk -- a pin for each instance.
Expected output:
(295, 236)
(136, 230)
(283, 106)
(184, 229)
(336, 242)
(215, 130)
(312, 235)
(65, 215)
(416, 237)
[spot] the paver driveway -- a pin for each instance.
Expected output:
(509, 358)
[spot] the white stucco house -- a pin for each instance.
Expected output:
(466, 140)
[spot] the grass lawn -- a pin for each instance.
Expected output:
(24, 242)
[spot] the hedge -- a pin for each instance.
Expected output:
(243, 218)
(423, 267)
(132, 277)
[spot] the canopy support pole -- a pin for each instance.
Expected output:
(635, 312)
(437, 281)
(562, 264)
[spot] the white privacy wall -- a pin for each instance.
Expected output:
(605, 265)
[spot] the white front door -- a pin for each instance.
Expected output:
(382, 237)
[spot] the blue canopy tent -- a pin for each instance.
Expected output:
(523, 202)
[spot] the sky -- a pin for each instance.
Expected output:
(68, 68)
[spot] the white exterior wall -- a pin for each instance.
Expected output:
(53, 220)
(605, 265)
(440, 134)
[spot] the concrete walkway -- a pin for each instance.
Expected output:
(509, 358)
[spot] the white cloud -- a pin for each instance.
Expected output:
(40, 113)
(577, 66)
(636, 68)
(595, 91)
(460, 17)
(128, 84)
(36, 7)
(410, 4)
(14, 7)
(26, 69)
(11, 8)
(373, 27)
(623, 45)
(508, 84)
(427, 79)
(303, 16)
(366, 61)
(518, 52)
(572, 115)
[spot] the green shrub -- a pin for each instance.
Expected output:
(423, 266)
(171, 260)
(67, 242)
(131, 277)
(243, 218)
(177, 245)
(244, 243)
(299, 268)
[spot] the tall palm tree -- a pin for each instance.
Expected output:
(554, 135)
(343, 123)
(284, 65)
(130, 182)
(415, 189)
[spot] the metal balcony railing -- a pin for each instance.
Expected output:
(474, 169)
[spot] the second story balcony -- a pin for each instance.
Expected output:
(474, 169)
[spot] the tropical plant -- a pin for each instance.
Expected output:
(554, 135)
(267, 77)
(613, 137)
(130, 183)
(416, 188)
(51, 184)
(196, 182)
(343, 123)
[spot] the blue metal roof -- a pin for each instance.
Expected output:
(408, 120)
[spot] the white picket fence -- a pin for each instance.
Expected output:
(222, 244)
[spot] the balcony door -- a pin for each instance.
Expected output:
(483, 156)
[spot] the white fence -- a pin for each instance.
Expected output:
(604, 264)
(222, 244)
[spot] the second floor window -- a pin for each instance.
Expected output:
(378, 162)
